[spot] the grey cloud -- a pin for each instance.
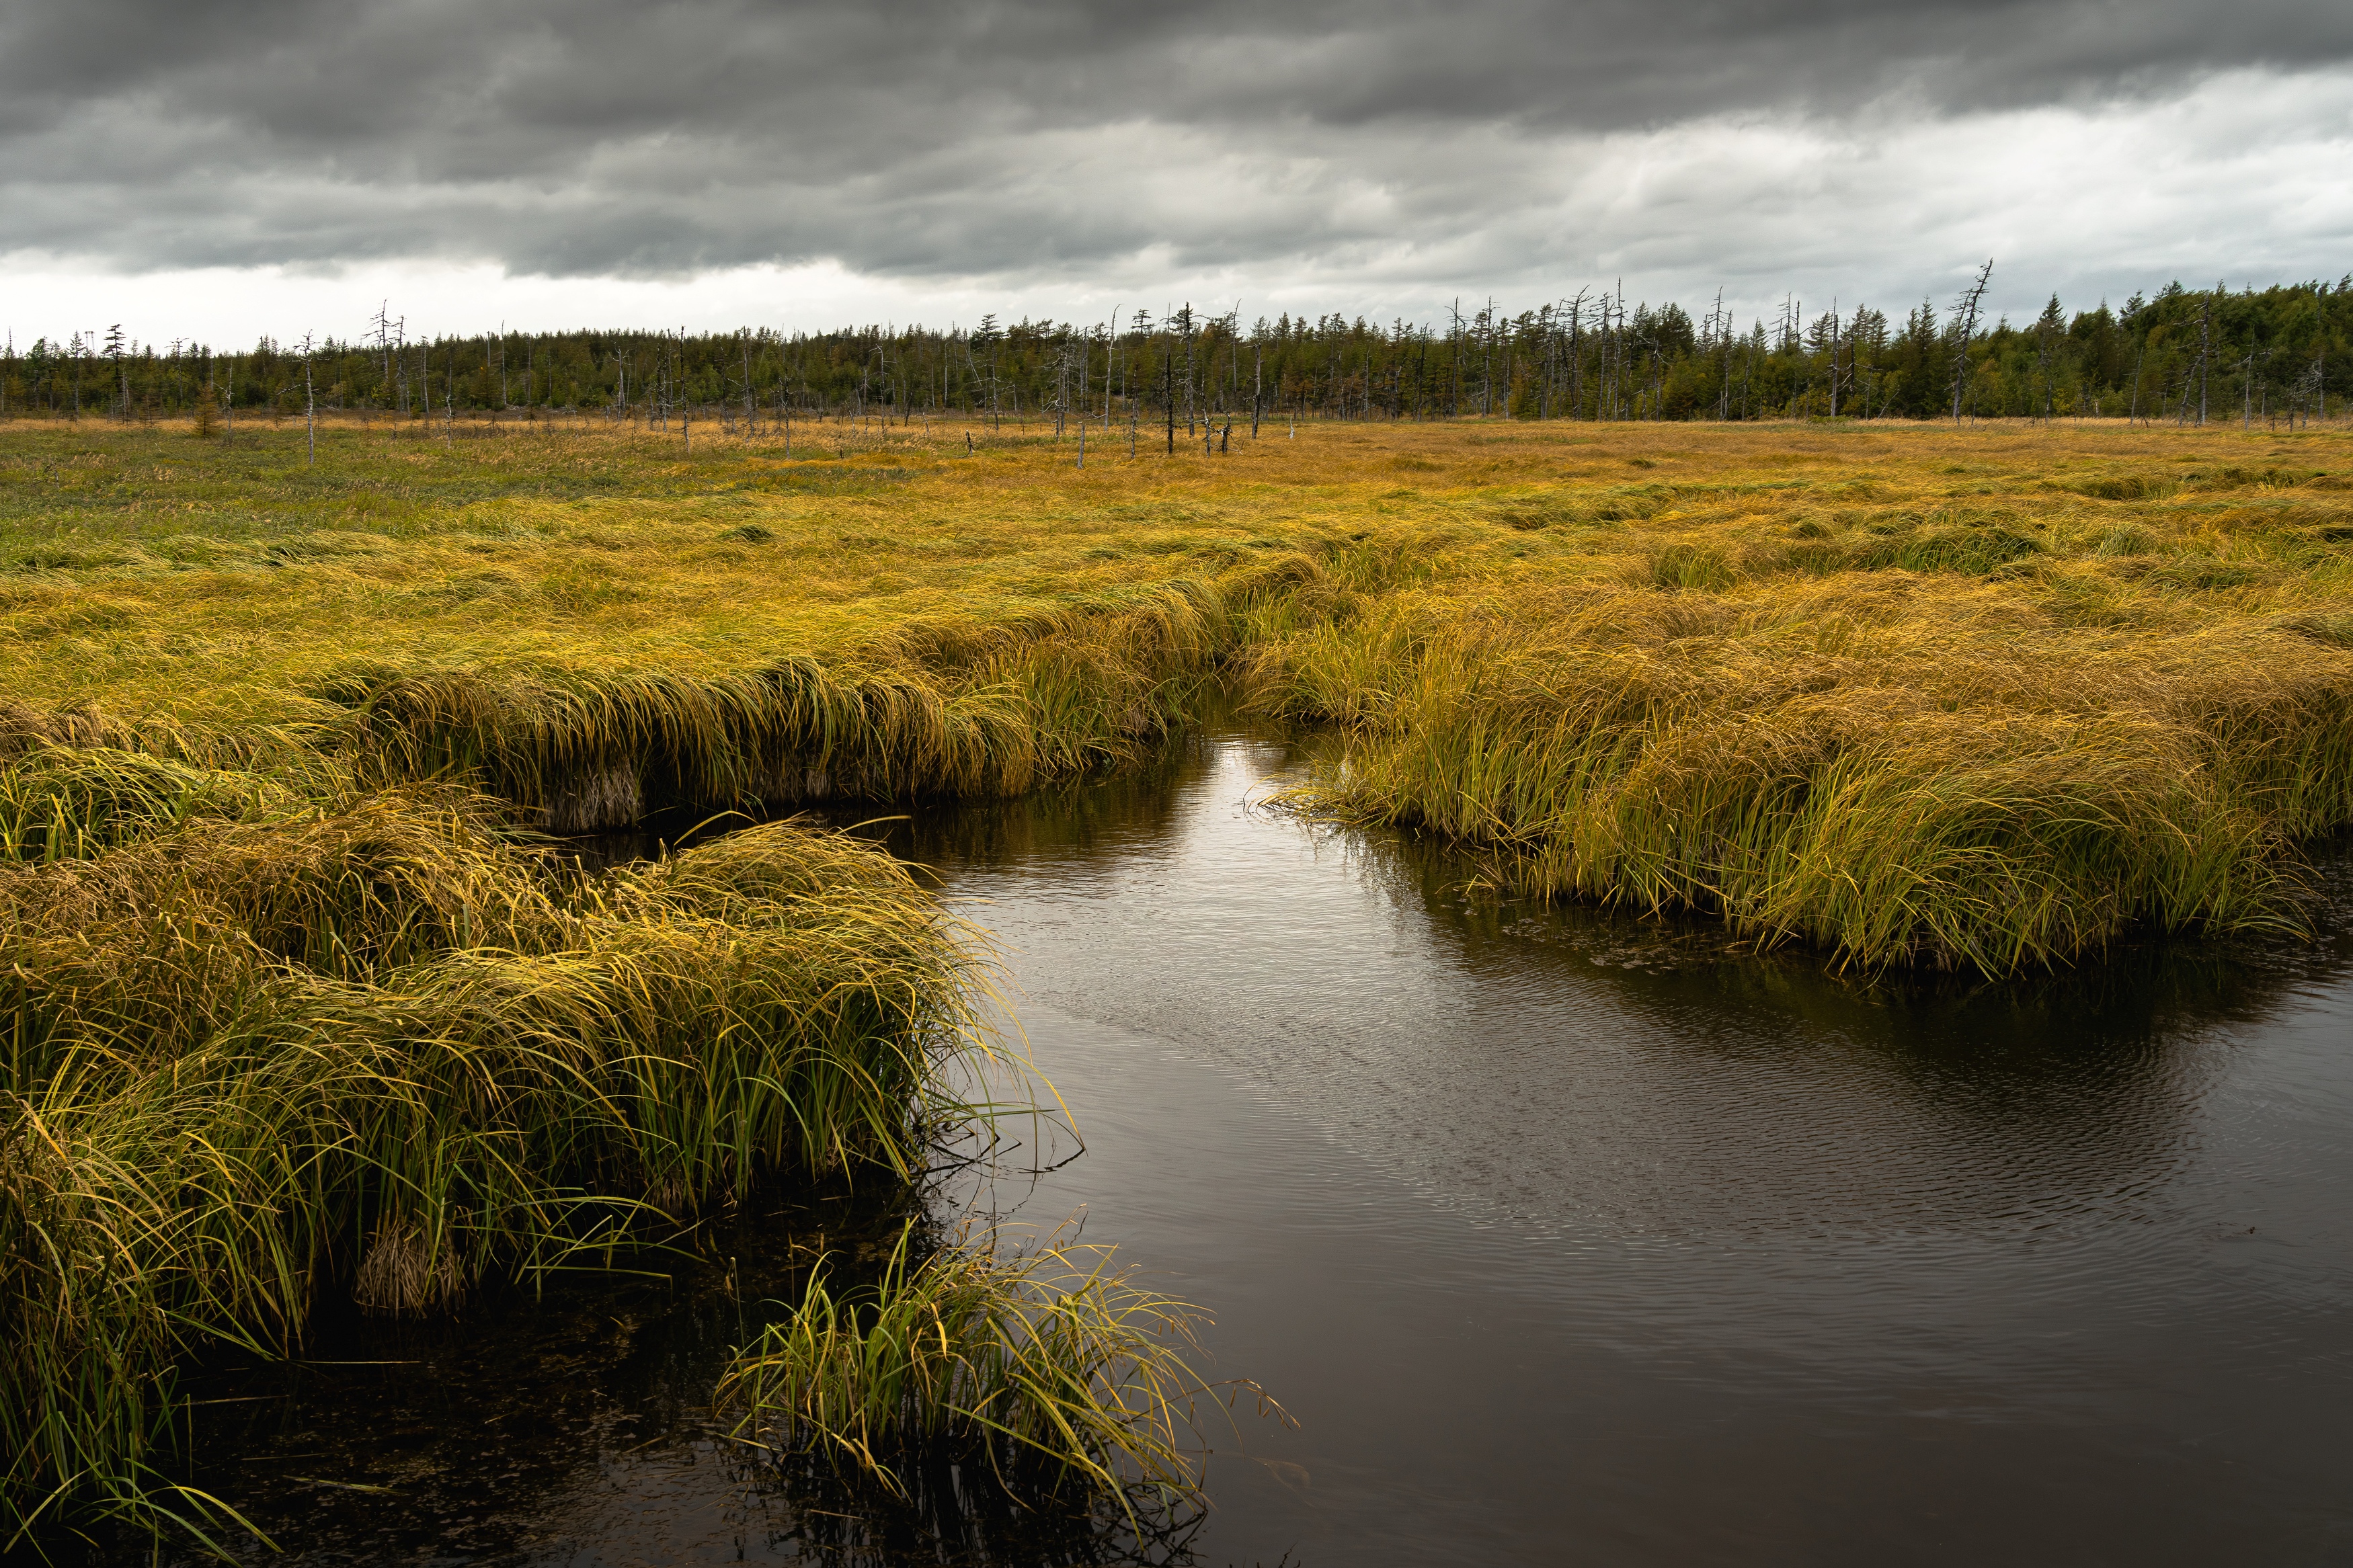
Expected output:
(593, 136)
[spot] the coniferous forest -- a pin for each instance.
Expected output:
(2184, 355)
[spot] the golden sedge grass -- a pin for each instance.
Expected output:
(1986, 697)
(371, 1044)
(1051, 1367)
(1891, 774)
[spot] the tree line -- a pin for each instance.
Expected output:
(2190, 355)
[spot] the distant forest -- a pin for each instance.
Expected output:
(2184, 355)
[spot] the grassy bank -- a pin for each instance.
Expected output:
(264, 1037)
(1983, 697)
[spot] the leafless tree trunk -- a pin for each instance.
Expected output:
(309, 406)
(1834, 356)
(1968, 311)
(1576, 355)
(1185, 318)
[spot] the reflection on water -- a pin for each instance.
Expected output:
(1564, 1234)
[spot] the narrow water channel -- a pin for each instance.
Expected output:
(1568, 1237)
(1565, 1236)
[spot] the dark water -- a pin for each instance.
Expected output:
(1563, 1236)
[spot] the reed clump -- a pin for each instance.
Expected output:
(371, 1042)
(1052, 1368)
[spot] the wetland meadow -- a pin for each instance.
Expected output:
(571, 996)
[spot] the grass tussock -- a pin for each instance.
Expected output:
(937, 707)
(372, 1044)
(1051, 1368)
(1933, 787)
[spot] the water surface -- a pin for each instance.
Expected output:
(1563, 1235)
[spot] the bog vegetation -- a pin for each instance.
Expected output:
(294, 998)
(1984, 697)
(271, 1031)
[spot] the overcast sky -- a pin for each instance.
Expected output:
(223, 168)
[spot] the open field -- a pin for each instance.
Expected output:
(1984, 696)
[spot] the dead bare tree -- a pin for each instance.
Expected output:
(1967, 309)
(381, 324)
(1185, 325)
(1110, 346)
(309, 406)
(1836, 335)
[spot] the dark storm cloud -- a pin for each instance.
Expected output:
(575, 138)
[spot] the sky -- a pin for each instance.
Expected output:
(215, 170)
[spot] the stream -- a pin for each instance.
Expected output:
(1564, 1235)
